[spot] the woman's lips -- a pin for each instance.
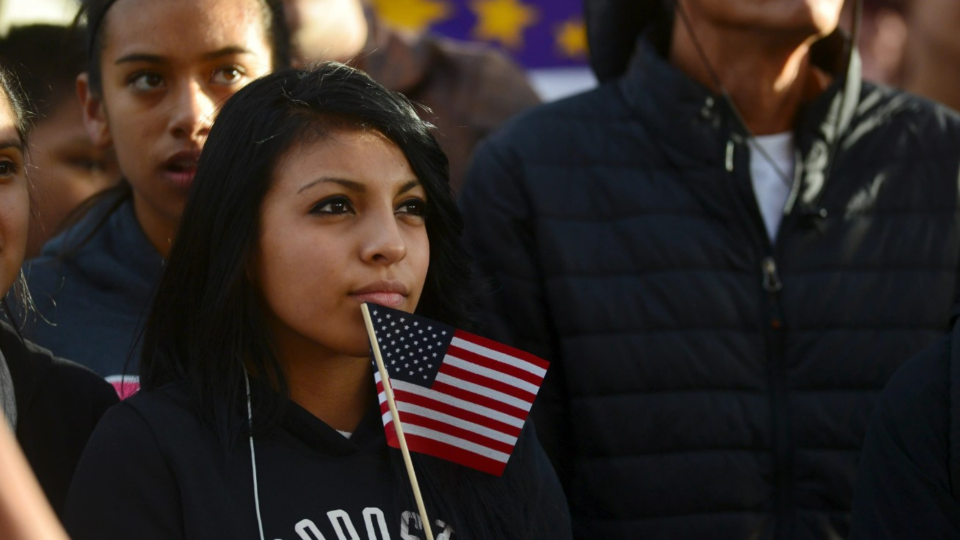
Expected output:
(383, 298)
(181, 168)
(385, 293)
(182, 178)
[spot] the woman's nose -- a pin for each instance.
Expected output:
(383, 241)
(193, 113)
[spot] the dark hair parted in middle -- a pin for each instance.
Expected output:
(207, 320)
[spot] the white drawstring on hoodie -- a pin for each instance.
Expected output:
(253, 455)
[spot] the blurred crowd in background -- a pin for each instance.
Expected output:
(901, 40)
(547, 38)
(907, 44)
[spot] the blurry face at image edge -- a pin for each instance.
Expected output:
(65, 168)
(14, 198)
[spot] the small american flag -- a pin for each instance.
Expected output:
(460, 397)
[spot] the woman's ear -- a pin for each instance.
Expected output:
(94, 114)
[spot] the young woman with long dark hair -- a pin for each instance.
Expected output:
(156, 75)
(317, 191)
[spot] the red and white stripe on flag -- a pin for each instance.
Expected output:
(474, 409)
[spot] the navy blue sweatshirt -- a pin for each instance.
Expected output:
(153, 470)
(92, 301)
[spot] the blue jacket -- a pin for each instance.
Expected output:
(93, 285)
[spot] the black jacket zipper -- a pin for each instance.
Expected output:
(777, 379)
(775, 342)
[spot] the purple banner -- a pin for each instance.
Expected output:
(537, 33)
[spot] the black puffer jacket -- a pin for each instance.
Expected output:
(708, 384)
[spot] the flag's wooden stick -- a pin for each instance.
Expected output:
(388, 388)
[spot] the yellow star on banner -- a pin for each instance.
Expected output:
(503, 20)
(572, 38)
(416, 15)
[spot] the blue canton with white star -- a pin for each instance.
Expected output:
(412, 347)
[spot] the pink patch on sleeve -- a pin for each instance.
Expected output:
(125, 385)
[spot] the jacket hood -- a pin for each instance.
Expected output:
(613, 27)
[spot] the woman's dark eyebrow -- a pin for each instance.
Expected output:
(12, 143)
(157, 59)
(349, 184)
(226, 51)
(140, 57)
(355, 186)
(408, 186)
